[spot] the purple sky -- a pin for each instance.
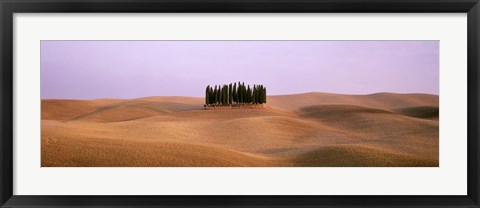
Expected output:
(129, 69)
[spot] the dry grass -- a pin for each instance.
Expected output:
(312, 129)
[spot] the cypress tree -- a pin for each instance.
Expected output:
(249, 94)
(230, 94)
(237, 94)
(215, 95)
(221, 95)
(225, 95)
(240, 94)
(207, 96)
(244, 93)
(259, 100)
(259, 94)
(218, 96)
(254, 95)
(211, 96)
(264, 97)
(263, 94)
(224, 91)
(234, 92)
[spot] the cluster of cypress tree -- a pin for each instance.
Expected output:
(224, 95)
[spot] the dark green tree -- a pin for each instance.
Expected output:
(259, 94)
(210, 95)
(221, 95)
(240, 93)
(260, 90)
(225, 95)
(218, 96)
(249, 94)
(254, 95)
(215, 95)
(230, 94)
(207, 95)
(264, 95)
(234, 93)
(244, 94)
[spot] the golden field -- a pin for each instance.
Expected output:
(306, 130)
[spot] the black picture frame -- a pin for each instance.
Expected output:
(9, 7)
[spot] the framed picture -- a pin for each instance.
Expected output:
(265, 103)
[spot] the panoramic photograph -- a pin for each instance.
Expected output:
(239, 103)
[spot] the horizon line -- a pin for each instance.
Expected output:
(149, 96)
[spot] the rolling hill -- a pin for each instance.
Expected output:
(310, 129)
